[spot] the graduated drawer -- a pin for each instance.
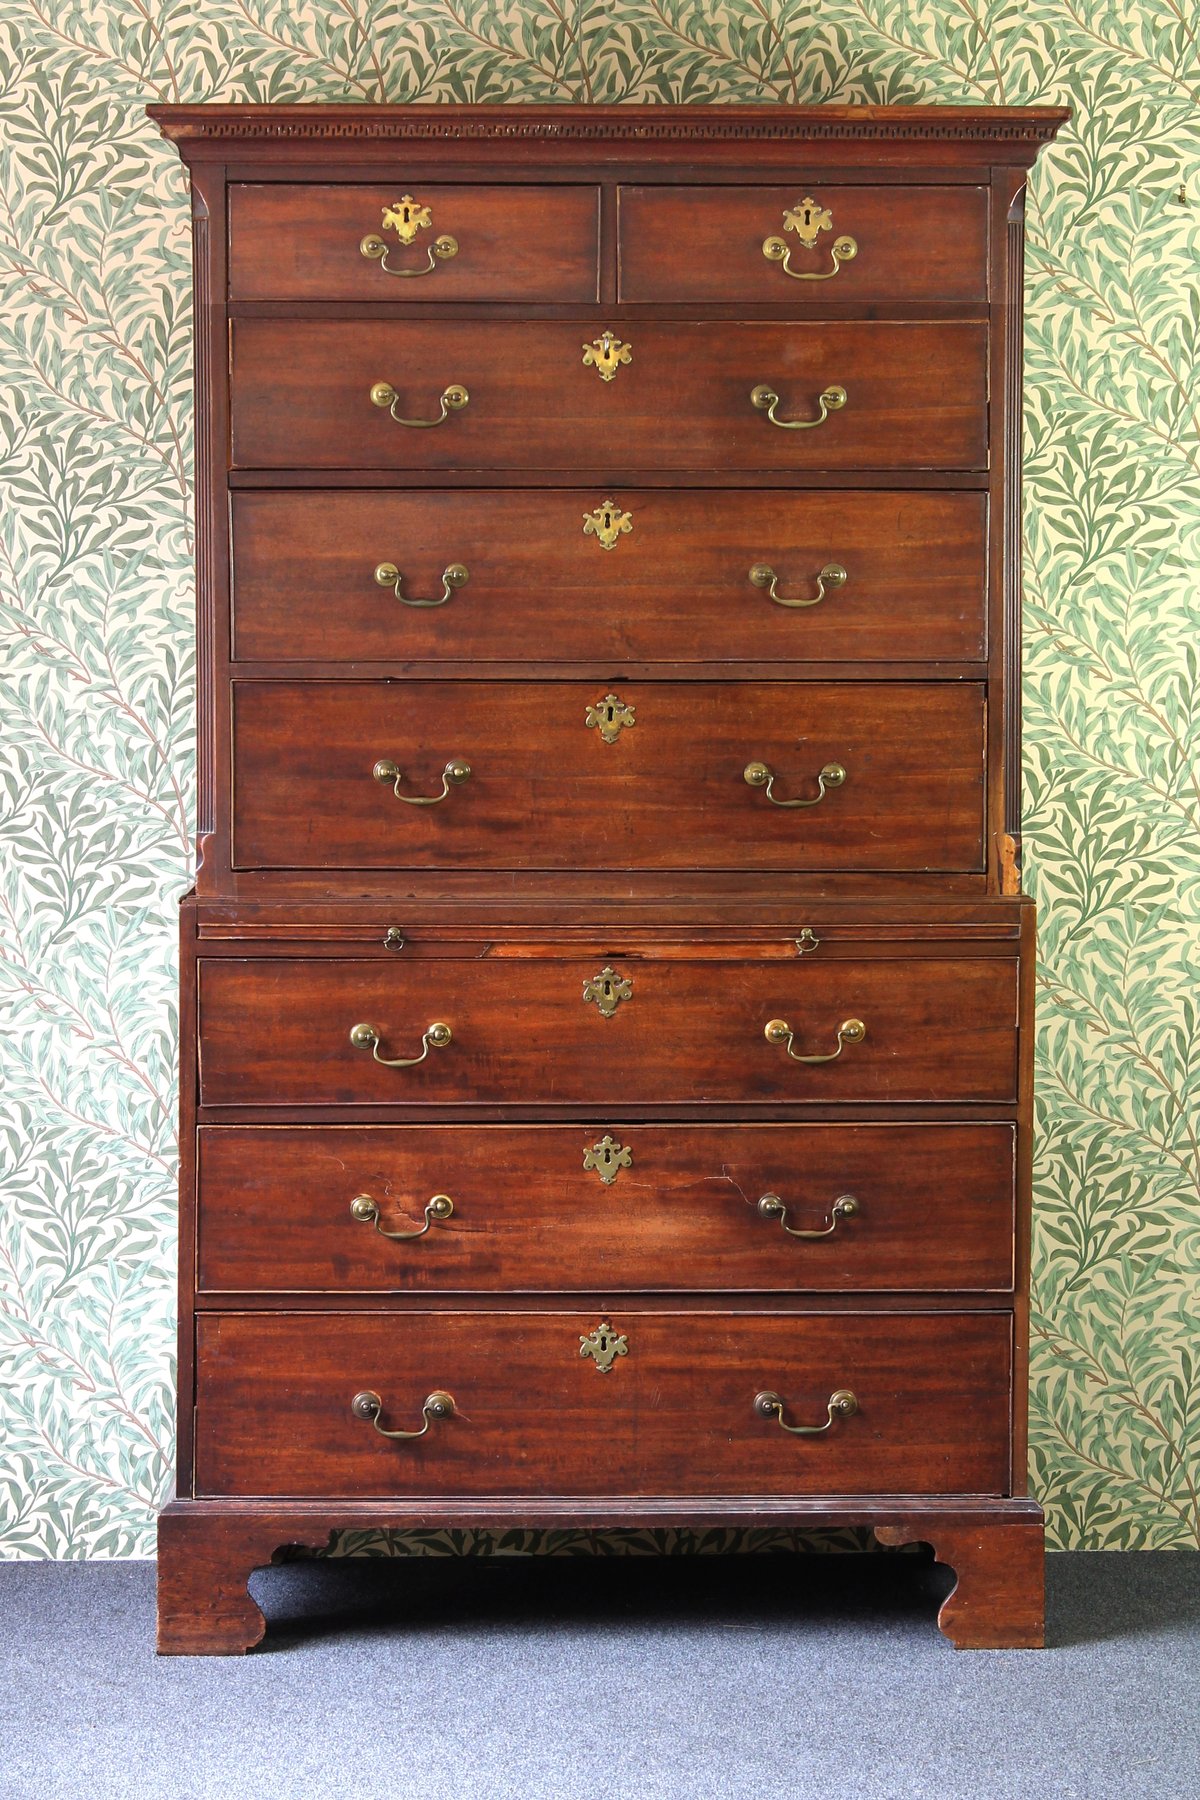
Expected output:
(677, 1413)
(612, 1206)
(562, 1030)
(916, 395)
(325, 774)
(554, 575)
(778, 243)
(412, 242)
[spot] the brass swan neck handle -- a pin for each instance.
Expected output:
(455, 773)
(368, 1405)
(842, 1404)
(844, 1207)
(454, 576)
(842, 250)
(764, 398)
(441, 250)
(762, 575)
(762, 775)
(452, 399)
(850, 1031)
(434, 1037)
(365, 1209)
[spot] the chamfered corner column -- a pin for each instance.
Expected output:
(206, 1555)
(998, 1600)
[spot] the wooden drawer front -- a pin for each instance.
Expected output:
(547, 791)
(276, 1031)
(706, 243)
(674, 586)
(289, 242)
(610, 1206)
(916, 396)
(675, 1414)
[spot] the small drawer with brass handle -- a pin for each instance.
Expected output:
(413, 241)
(718, 1207)
(802, 244)
(565, 1401)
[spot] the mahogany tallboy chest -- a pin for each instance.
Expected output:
(607, 991)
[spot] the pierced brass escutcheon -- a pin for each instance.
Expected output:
(844, 1207)
(606, 354)
(452, 399)
(368, 1405)
(365, 1209)
(604, 1345)
(454, 774)
(406, 217)
(454, 576)
(607, 990)
(831, 399)
(609, 716)
(842, 1404)
(761, 775)
(850, 1031)
(434, 1037)
(607, 1158)
(762, 575)
(606, 523)
(808, 220)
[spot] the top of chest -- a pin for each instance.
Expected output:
(759, 205)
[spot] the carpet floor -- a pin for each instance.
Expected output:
(755, 1678)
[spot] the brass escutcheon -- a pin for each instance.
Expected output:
(607, 1158)
(808, 219)
(607, 990)
(603, 1345)
(610, 717)
(606, 523)
(606, 354)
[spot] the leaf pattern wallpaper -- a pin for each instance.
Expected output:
(96, 755)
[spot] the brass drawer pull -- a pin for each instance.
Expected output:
(455, 773)
(763, 576)
(368, 1405)
(366, 1211)
(850, 1031)
(454, 575)
(842, 1405)
(772, 1207)
(441, 250)
(453, 399)
(761, 775)
(434, 1037)
(842, 250)
(831, 399)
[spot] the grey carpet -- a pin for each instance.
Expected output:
(760, 1678)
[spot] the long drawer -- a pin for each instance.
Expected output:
(803, 245)
(763, 775)
(680, 1410)
(315, 395)
(578, 574)
(295, 1031)
(615, 1206)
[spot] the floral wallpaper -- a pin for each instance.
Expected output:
(96, 757)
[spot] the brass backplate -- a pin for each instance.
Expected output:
(606, 354)
(406, 217)
(606, 523)
(808, 220)
(610, 717)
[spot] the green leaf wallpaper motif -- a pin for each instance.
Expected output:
(96, 754)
